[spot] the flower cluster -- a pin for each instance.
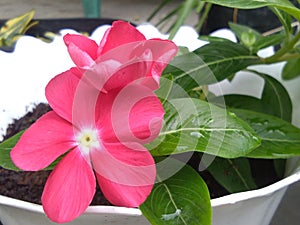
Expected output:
(104, 110)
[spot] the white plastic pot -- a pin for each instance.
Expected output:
(248, 208)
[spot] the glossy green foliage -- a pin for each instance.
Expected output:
(180, 199)
(195, 125)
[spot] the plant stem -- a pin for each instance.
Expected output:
(200, 6)
(161, 5)
(277, 57)
(185, 11)
(204, 16)
(288, 56)
(235, 15)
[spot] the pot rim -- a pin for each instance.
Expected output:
(268, 190)
(8, 201)
(228, 199)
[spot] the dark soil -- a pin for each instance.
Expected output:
(28, 186)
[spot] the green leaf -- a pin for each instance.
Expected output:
(5, 148)
(275, 98)
(55, 162)
(280, 139)
(170, 90)
(182, 50)
(248, 39)
(239, 30)
(195, 125)
(209, 64)
(253, 39)
(213, 39)
(267, 41)
(225, 59)
(291, 69)
(182, 199)
(243, 102)
(233, 174)
(285, 19)
(284, 5)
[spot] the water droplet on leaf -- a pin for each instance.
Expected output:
(181, 148)
(171, 216)
(196, 134)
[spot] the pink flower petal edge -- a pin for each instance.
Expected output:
(119, 33)
(69, 189)
(128, 175)
(70, 95)
(43, 142)
(82, 49)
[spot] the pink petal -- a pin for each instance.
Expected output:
(113, 71)
(131, 114)
(134, 70)
(99, 74)
(146, 122)
(126, 173)
(120, 33)
(123, 195)
(69, 189)
(163, 52)
(141, 61)
(82, 49)
(43, 142)
(60, 92)
(70, 96)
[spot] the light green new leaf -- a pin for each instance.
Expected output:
(181, 199)
(280, 139)
(233, 174)
(253, 39)
(284, 5)
(239, 30)
(195, 125)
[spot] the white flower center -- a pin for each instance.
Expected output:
(87, 139)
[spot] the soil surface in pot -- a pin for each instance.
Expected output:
(28, 186)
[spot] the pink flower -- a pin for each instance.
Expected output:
(103, 111)
(124, 52)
